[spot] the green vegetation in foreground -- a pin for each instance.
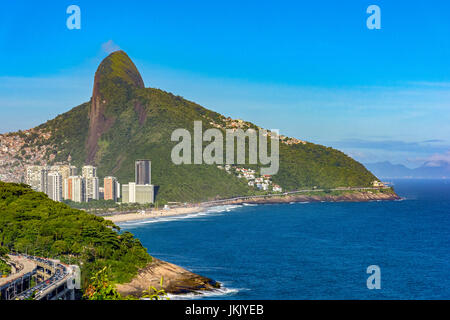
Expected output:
(105, 206)
(31, 222)
(5, 269)
(101, 288)
(100, 205)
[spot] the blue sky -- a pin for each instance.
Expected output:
(310, 68)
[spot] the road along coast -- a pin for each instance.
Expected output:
(314, 195)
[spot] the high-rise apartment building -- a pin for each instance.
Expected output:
(111, 188)
(75, 189)
(36, 177)
(67, 194)
(101, 193)
(143, 172)
(135, 193)
(65, 171)
(89, 171)
(54, 186)
(91, 182)
(140, 191)
(92, 189)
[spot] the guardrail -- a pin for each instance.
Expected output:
(18, 281)
(58, 285)
(61, 283)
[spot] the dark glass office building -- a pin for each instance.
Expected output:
(143, 171)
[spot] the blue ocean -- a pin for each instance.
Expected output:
(315, 250)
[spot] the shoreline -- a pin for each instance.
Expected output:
(177, 280)
(153, 214)
(354, 196)
(365, 196)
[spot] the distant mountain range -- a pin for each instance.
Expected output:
(429, 170)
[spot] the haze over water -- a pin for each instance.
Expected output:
(316, 250)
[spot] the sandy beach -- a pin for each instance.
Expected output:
(354, 196)
(153, 214)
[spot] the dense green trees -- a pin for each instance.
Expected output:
(5, 269)
(31, 222)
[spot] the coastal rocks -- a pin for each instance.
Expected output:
(177, 280)
(347, 197)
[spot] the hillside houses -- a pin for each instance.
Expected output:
(263, 182)
(15, 154)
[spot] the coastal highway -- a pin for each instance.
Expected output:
(59, 280)
(20, 266)
(224, 201)
(56, 286)
(216, 202)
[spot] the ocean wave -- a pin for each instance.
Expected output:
(224, 291)
(212, 211)
(249, 204)
(224, 208)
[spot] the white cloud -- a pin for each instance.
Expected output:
(110, 47)
(445, 157)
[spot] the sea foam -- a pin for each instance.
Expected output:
(207, 212)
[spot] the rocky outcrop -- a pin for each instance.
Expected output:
(114, 80)
(176, 280)
(360, 196)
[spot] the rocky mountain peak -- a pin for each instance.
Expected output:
(115, 81)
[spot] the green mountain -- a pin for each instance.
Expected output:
(125, 121)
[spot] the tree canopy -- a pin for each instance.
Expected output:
(31, 222)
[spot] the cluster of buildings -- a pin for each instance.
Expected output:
(263, 182)
(141, 190)
(62, 182)
(379, 184)
(235, 124)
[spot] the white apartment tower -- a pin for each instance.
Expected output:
(36, 178)
(54, 186)
(75, 189)
(89, 174)
(65, 171)
(140, 191)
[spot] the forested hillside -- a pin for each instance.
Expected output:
(31, 222)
